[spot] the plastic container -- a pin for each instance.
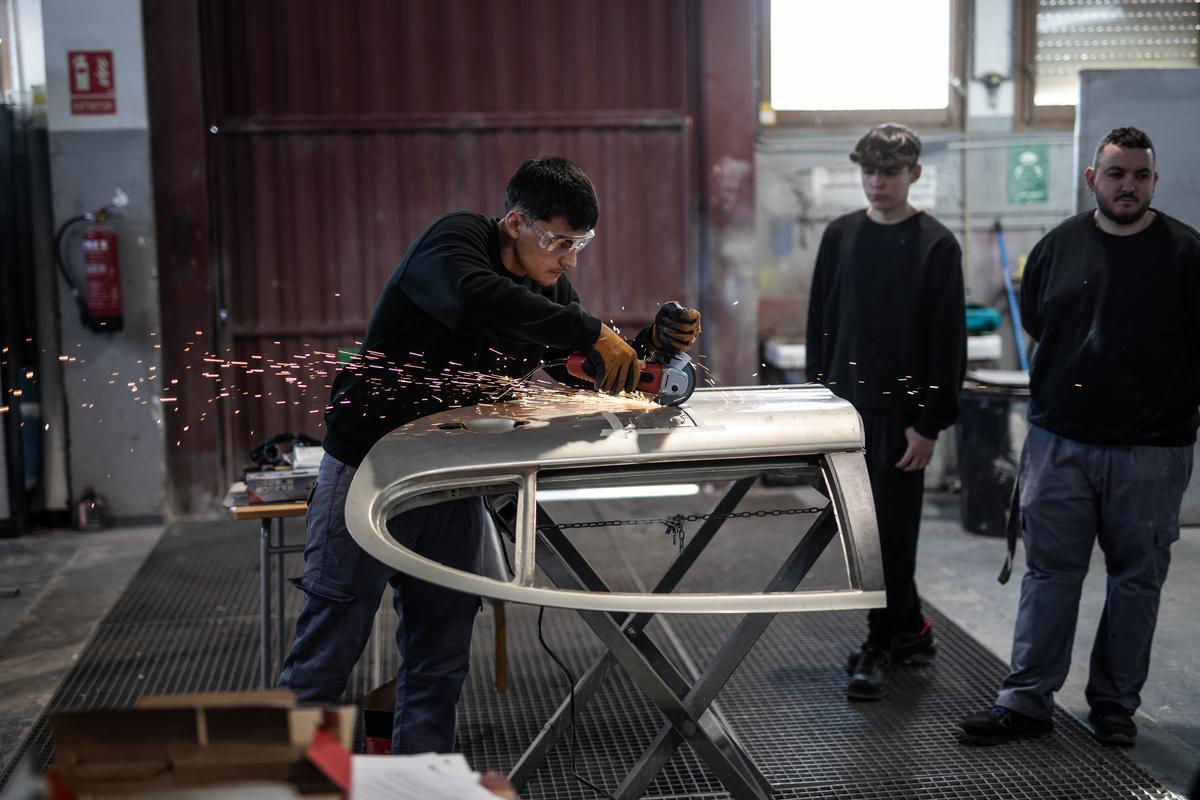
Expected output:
(992, 423)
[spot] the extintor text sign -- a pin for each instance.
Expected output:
(92, 81)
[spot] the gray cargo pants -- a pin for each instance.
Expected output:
(1073, 494)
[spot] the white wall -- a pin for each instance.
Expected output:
(114, 25)
(116, 438)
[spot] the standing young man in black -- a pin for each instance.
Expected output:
(1112, 297)
(887, 332)
(473, 296)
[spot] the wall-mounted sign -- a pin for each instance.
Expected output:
(1028, 174)
(837, 189)
(92, 82)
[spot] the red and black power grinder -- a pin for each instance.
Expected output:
(670, 380)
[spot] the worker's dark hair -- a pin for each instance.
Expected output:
(1126, 139)
(887, 146)
(551, 186)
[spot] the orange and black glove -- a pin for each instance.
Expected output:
(615, 362)
(675, 328)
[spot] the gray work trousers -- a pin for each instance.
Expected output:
(342, 586)
(1073, 494)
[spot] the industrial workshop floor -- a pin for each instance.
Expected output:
(188, 621)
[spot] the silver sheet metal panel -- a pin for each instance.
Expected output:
(594, 440)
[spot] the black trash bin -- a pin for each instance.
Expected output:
(990, 433)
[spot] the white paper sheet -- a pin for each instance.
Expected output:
(428, 776)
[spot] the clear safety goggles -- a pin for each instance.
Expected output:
(557, 242)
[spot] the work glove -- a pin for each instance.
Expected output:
(615, 362)
(675, 328)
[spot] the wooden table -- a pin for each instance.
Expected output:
(269, 545)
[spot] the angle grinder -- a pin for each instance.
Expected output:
(669, 379)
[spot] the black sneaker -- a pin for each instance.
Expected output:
(906, 648)
(868, 674)
(1000, 725)
(1112, 724)
(914, 648)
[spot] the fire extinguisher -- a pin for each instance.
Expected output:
(100, 303)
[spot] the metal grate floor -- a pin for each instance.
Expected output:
(189, 622)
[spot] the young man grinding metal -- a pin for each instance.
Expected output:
(887, 331)
(472, 295)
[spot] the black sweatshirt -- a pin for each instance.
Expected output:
(886, 318)
(1117, 320)
(450, 313)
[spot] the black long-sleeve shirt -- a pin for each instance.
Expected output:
(1117, 320)
(886, 319)
(449, 315)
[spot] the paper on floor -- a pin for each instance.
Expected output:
(428, 776)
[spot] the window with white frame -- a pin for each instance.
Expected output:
(851, 61)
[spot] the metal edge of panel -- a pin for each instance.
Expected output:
(850, 491)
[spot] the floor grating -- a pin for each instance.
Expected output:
(189, 622)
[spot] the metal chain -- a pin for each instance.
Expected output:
(674, 523)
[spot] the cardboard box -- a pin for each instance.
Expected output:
(177, 741)
(280, 485)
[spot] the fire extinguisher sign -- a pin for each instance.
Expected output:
(93, 84)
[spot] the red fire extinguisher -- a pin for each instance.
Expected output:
(100, 303)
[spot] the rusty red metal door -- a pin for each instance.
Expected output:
(337, 132)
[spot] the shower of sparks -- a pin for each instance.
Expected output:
(302, 382)
(244, 385)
